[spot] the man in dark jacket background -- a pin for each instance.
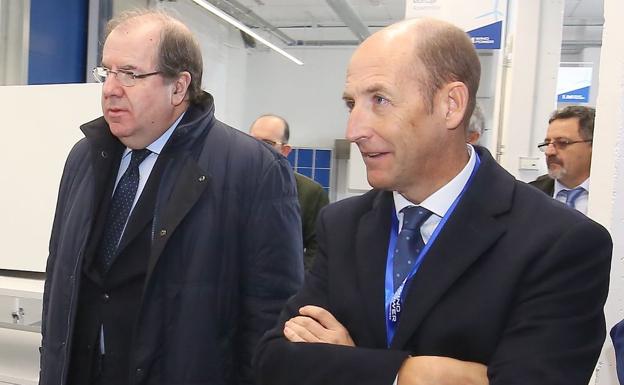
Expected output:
(568, 150)
(275, 131)
(176, 238)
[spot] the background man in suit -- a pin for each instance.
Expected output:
(275, 131)
(498, 275)
(176, 238)
(568, 149)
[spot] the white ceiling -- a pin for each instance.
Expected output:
(310, 13)
(314, 22)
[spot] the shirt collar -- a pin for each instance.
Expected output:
(440, 201)
(559, 187)
(157, 145)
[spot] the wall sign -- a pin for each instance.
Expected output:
(482, 20)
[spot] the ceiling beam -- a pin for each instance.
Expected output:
(347, 14)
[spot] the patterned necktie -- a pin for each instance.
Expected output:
(409, 242)
(120, 208)
(572, 196)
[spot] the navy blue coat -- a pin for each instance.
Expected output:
(226, 253)
(617, 336)
(515, 280)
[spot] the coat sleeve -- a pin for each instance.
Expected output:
(280, 362)
(556, 327)
(69, 173)
(272, 268)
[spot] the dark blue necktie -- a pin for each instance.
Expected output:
(120, 208)
(409, 242)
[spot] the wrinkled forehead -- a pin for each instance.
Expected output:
(564, 128)
(134, 41)
(380, 63)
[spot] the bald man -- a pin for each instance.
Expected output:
(450, 271)
(275, 131)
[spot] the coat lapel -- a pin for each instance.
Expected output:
(469, 233)
(174, 205)
(371, 251)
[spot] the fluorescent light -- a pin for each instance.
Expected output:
(217, 12)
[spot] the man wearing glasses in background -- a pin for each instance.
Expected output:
(275, 131)
(176, 238)
(568, 149)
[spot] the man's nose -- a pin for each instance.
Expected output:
(550, 149)
(112, 86)
(357, 125)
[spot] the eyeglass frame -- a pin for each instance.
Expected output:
(132, 76)
(272, 143)
(560, 144)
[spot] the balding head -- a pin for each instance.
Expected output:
(435, 52)
(411, 89)
(273, 130)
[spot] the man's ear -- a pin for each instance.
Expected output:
(455, 103)
(180, 86)
(286, 149)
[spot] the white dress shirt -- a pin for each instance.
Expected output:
(145, 168)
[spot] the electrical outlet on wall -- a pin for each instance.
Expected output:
(529, 163)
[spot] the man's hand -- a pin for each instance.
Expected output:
(315, 324)
(430, 370)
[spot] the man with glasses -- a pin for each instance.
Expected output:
(568, 149)
(275, 131)
(176, 238)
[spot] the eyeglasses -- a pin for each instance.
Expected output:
(126, 78)
(560, 144)
(272, 143)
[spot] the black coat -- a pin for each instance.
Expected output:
(226, 253)
(544, 183)
(514, 281)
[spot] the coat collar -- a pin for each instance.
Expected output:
(471, 230)
(190, 180)
(197, 119)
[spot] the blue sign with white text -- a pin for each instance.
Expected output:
(488, 36)
(580, 95)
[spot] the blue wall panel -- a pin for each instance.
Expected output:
(58, 41)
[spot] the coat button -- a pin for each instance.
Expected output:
(201, 178)
(163, 232)
(104, 154)
(139, 371)
(105, 297)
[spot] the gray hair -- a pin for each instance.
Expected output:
(585, 115)
(178, 49)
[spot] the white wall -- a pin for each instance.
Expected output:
(41, 122)
(532, 61)
(607, 195)
(224, 58)
(309, 97)
(592, 55)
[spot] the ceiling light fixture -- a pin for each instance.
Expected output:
(224, 16)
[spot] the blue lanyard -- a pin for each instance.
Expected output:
(394, 300)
